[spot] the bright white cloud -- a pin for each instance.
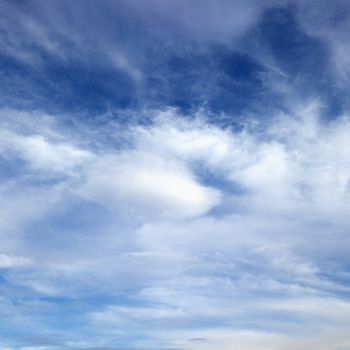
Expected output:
(145, 183)
(43, 154)
(295, 161)
(238, 248)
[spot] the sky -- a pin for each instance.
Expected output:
(174, 175)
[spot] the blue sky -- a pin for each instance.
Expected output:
(174, 175)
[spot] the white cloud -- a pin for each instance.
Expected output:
(159, 239)
(143, 182)
(191, 222)
(9, 261)
(42, 153)
(293, 163)
(185, 139)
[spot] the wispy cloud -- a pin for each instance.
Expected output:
(235, 251)
(174, 175)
